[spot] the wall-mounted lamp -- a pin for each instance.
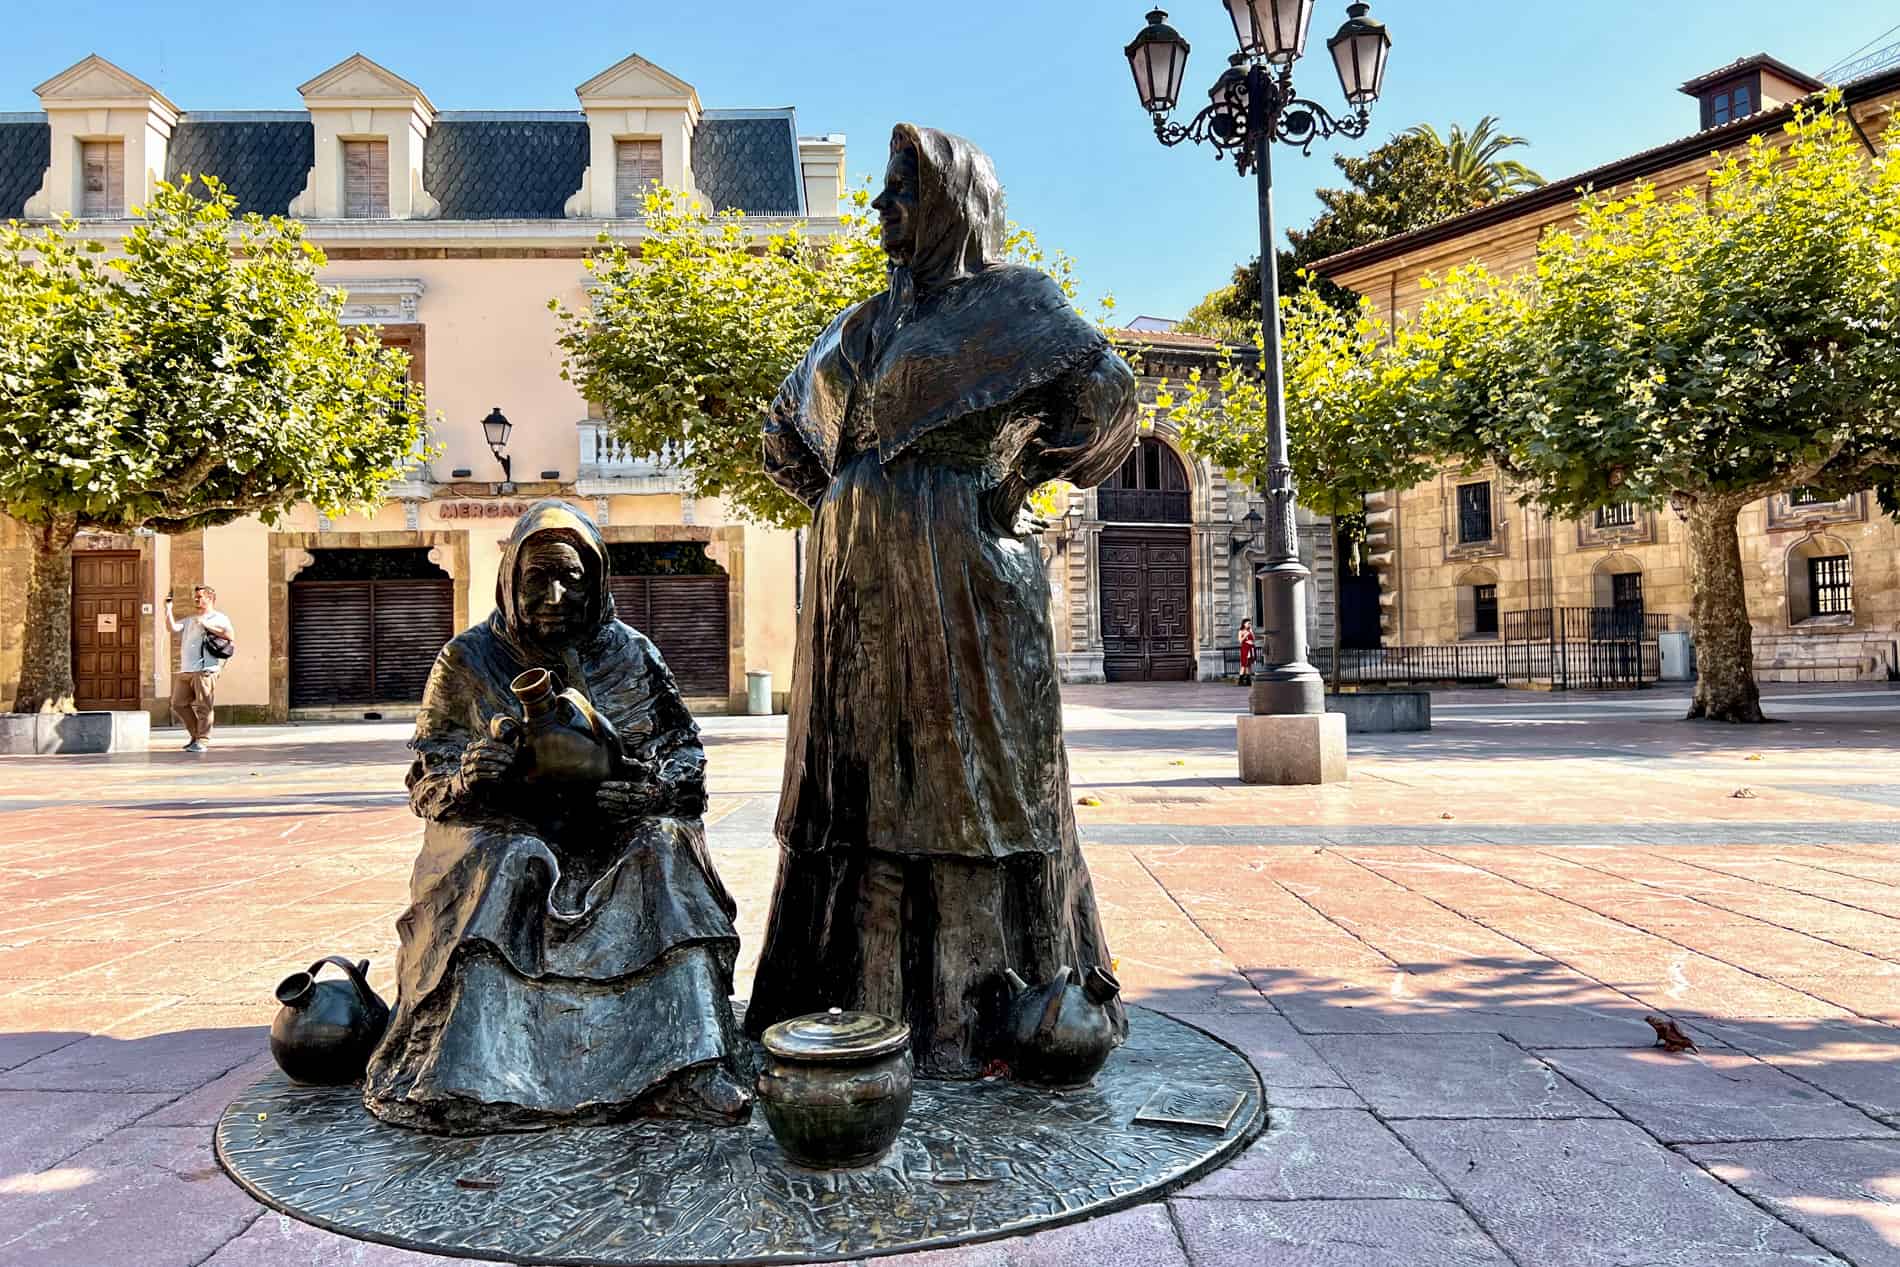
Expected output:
(495, 429)
(1251, 529)
(1680, 503)
(1069, 524)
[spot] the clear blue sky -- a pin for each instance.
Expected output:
(1041, 84)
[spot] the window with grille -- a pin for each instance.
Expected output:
(1617, 515)
(1831, 582)
(366, 180)
(1626, 592)
(1809, 497)
(636, 166)
(102, 168)
(1474, 512)
(1484, 609)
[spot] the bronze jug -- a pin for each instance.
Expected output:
(1061, 1032)
(561, 739)
(325, 1031)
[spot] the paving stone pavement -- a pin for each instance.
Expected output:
(1440, 968)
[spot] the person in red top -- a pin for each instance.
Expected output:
(1246, 650)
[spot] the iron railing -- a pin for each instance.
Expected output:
(1141, 506)
(1479, 663)
(1564, 648)
(1597, 647)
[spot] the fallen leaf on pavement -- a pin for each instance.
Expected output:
(1742, 794)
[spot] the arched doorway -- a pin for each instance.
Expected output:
(365, 626)
(676, 595)
(1146, 586)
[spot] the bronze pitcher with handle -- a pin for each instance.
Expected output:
(325, 1031)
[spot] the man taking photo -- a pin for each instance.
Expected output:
(205, 646)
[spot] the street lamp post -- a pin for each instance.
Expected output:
(1250, 107)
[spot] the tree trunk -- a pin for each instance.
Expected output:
(46, 662)
(1725, 687)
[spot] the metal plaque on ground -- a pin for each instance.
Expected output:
(1203, 1108)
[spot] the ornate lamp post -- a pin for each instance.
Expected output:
(1251, 106)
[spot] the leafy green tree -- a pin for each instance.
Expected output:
(1345, 436)
(688, 335)
(199, 376)
(1703, 350)
(1474, 159)
(1404, 184)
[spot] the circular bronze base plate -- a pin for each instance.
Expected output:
(976, 1160)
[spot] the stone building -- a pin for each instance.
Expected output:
(451, 231)
(1151, 573)
(1456, 554)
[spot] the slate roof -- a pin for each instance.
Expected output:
(505, 167)
(263, 161)
(749, 159)
(25, 150)
(479, 165)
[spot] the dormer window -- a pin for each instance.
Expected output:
(1748, 86)
(102, 173)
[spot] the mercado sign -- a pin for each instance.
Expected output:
(472, 509)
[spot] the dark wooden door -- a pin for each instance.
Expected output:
(366, 642)
(1147, 617)
(106, 600)
(686, 617)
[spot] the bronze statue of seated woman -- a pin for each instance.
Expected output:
(568, 952)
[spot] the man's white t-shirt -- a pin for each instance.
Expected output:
(193, 658)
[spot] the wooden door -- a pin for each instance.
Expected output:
(106, 598)
(687, 619)
(1147, 617)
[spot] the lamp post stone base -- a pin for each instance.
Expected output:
(1292, 749)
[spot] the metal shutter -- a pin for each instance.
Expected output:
(330, 643)
(636, 165)
(366, 642)
(413, 619)
(685, 616)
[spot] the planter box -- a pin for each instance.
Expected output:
(45, 734)
(1383, 712)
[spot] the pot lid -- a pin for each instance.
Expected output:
(836, 1035)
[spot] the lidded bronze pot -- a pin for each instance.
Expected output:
(836, 1086)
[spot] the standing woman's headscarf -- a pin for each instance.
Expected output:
(958, 330)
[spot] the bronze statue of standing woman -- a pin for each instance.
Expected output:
(926, 825)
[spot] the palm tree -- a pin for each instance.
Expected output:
(1473, 157)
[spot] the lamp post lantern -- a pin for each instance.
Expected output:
(1251, 106)
(495, 430)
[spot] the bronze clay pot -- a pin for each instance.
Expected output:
(1061, 1032)
(836, 1086)
(325, 1031)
